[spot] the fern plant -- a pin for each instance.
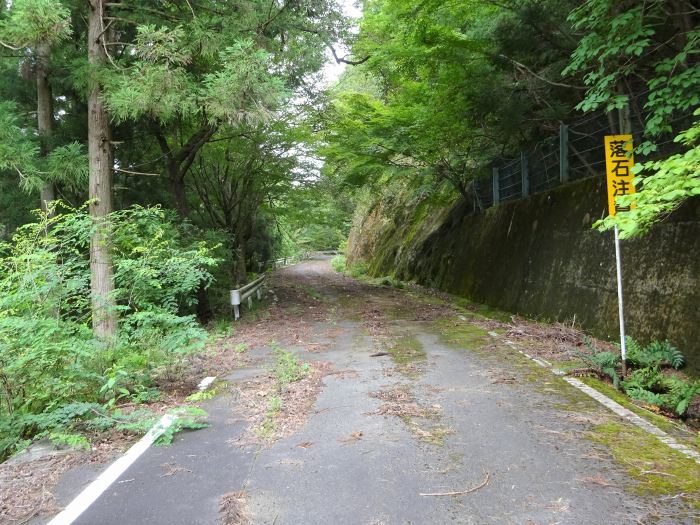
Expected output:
(654, 354)
(603, 364)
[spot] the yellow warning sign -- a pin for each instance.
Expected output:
(618, 164)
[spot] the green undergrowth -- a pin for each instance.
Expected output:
(339, 263)
(56, 378)
(258, 311)
(220, 328)
(658, 469)
(267, 429)
(286, 368)
(210, 393)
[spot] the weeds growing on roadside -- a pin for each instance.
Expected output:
(646, 380)
(56, 380)
(287, 368)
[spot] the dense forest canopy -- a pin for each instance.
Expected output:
(155, 154)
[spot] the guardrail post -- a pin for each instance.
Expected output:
(524, 171)
(236, 302)
(563, 153)
(250, 302)
(496, 195)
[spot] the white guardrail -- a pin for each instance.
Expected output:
(240, 295)
(283, 262)
(247, 291)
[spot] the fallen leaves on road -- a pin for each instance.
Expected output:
(297, 400)
(233, 508)
(355, 435)
(170, 469)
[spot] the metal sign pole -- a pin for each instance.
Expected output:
(618, 166)
(621, 307)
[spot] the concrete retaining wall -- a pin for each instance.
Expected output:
(540, 257)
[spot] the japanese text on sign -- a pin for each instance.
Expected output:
(618, 163)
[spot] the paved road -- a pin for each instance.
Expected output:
(385, 431)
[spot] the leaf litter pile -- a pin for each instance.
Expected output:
(296, 400)
(233, 509)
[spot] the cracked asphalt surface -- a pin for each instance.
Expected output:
(468, 413)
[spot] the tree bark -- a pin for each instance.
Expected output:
(44, 111)
(104, 319)
(179, 161)
(241, 245)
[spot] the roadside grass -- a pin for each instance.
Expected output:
(268, 428)
(219, 328)
(286, 369)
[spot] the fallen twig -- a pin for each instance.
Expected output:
(460, 492)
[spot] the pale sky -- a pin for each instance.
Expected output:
(333, 70)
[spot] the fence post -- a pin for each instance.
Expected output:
(563, 153)
(525, 173)
(496, 194)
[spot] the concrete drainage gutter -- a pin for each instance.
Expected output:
(612, 405)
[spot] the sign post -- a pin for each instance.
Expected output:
(618, 164)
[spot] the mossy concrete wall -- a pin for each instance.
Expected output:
(539, 257)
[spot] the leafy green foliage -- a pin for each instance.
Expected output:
(186, 418)
(604, 364)
(656, 353)
(65, 164)
(650, 386)
(358, 269)
(287, 367)
(52, 371)
(34, 22)
(447, 87)
(656, 44)
(666, 184)
(646, 381)
(339, 263)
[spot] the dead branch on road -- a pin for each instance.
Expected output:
(460, 492)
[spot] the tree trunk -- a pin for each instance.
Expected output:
(104, 320)
(241, 273)
(177, 187)
(44, 111)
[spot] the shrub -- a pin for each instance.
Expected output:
(51, 368)
(359, 269)
(339, 263)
